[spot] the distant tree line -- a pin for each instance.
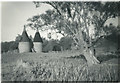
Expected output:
(9, 46)
(48, 45)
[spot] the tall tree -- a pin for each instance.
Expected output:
(75, 18)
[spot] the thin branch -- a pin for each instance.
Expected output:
(54, 7)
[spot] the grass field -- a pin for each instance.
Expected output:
(62, 66)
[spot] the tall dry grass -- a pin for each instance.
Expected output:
(53, 67)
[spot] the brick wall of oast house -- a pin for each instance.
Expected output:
(105, 46)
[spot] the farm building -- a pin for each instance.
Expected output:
(37, 41)
(24, 44)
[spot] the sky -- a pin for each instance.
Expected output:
(15, 14)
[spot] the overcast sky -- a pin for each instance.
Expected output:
(15, 14)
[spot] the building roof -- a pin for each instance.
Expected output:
(37, 37)
(25, 37)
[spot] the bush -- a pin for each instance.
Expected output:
(55, 45)
(51, 45)
(66, 43)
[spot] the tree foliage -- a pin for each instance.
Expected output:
(70, 16)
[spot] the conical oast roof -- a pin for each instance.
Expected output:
(25, 37)
(37, 37)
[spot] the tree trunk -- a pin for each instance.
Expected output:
(89, 55)
(87, 51)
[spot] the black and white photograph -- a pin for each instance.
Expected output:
(62, 41)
